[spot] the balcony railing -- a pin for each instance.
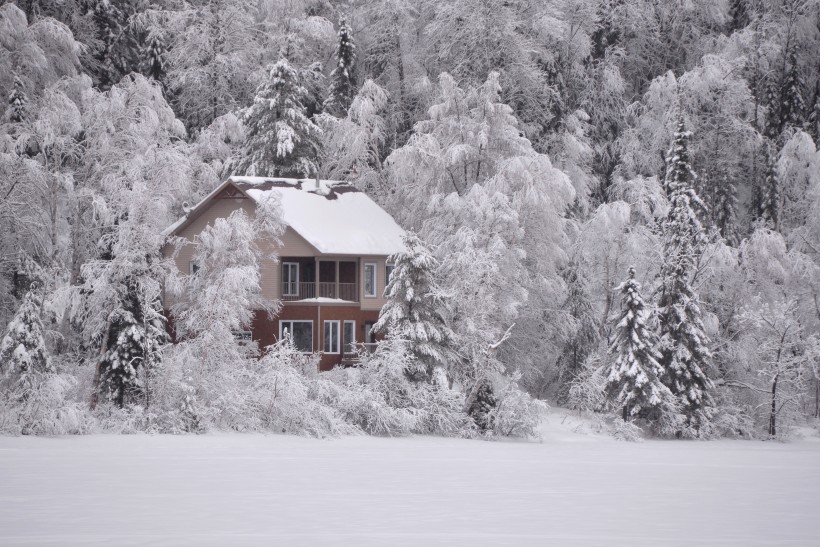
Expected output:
(300, 291)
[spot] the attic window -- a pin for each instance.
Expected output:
(231, 192)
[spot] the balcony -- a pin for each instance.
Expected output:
(292, 292)
(306, 278)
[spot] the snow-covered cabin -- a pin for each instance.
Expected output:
(333, 260)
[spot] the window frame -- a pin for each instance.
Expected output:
(285, 266)
(291, 321)
(373, 266)
(389, 268)
(335, 322)
(344, 340)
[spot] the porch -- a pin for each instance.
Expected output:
(309, 278)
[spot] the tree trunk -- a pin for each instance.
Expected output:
(95, 386)
(773, 416)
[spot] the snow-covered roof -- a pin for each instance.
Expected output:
(333, 216)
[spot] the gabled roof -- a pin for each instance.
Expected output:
(335, 217)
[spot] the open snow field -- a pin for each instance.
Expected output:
(569, 490)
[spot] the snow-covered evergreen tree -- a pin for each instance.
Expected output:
(135, 338)
(281, 139)
(770, 192)
(773, 122)
(634, 382)
(153, 51)
(343, 77)
(18, 102)
(117, 49)
(23, 349)
(416, 308)
(481, 404)
(792, 105)
(679, 172)
(684, 345)
(725, 209)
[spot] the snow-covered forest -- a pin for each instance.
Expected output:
(612, 206)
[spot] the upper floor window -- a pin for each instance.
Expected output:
(370, 279)
(290, 279)
(193, 267)
(388, 271)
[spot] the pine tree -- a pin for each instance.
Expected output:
(119, 51)
(343, 78)
(134, 339)
(792, 105)
(18, 102)
(152, 53)
(634, 383)
(281, 139)
(106, 18)
(679, 172)
(415, 309)
(770, 190)
(684, 344)
(725, 209)
(773, 126)
(481, 403)
(23, 349)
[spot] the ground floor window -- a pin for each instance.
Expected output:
(349, 336)
(331, 337)
(300, 331)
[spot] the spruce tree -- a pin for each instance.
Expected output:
(106, 19)
(792, 105)
(134, 339)
(679, 172)
(634, 380)
(684, 344)
(725, 209)
(152, 53)
(480, 404)
(415, 309)
(23, 349)
(343, 78)
(281, 139)
(119, 51)
(18, 102)
(773, 126)
(770, 190)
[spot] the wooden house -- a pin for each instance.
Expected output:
(332, 267)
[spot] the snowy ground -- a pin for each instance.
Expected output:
(569, 490)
